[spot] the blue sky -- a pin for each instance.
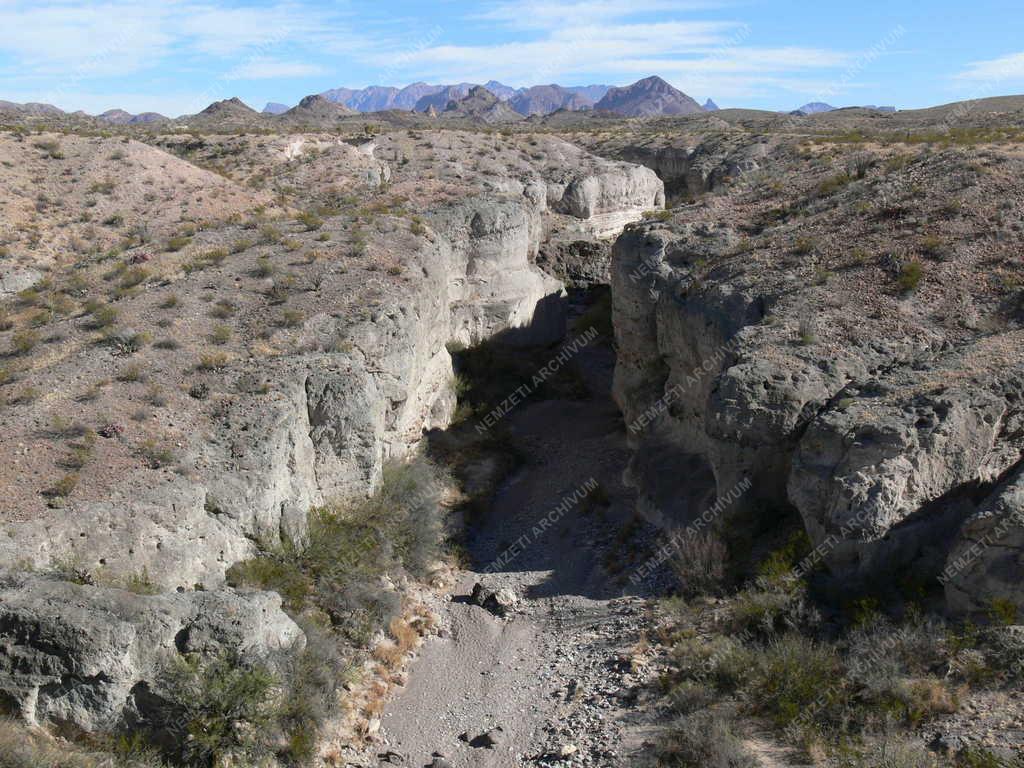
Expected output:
(176, 56)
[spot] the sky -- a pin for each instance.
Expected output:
(177, 56)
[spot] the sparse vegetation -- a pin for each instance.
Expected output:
(910, 276)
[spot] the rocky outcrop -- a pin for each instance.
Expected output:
(84, 659)
(909, 439)
(707, 165)
(885, 446)
(987, 560)
(603, 203)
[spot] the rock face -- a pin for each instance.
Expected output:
(707, 165)
(357, 384)
(883, 418)
(647, 98)
(988, 559)
(335, 415)
(83, 659)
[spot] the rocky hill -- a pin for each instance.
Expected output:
(480, 105)
(440, 99)
(315, 111)
(545, 99)
(646, 98)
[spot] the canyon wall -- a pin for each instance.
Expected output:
(897, 439)
(302, 428)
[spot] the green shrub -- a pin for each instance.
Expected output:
(790, 675)
(804, 245)
(227, 708)
(156, 455)
(24, 747)
(910, 276)
(657, 215)
(221, 334)
(103, 316)
(264, 267)
(291, 318)
(310, 221)
(833, 184)
(177, 243)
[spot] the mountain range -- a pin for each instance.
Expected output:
(537, 100)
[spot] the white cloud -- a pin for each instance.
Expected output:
(1010, 67)
(270, 69)
(544, 14)
(93, 40)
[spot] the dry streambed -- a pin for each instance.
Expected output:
(553, 681)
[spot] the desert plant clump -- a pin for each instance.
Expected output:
(910, 276)
(701, 740)
(177, 243)
(156, 455)
(23, 342)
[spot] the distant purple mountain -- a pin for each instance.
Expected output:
(421, 96)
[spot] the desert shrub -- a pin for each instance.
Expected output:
(699, 563)
(598, 316)
(310, 221)
(221, 334)
(177, 243)
(291, 318)
(141, 584)
(23, 342)
(270, 235)
(933, 246)
(156, 455)
(264, 268)
(131, 374)
(241, 245)
(833, 184)
(657, 215)
(103, 315)
(803, 246)
(348, 547)
(223, 309)
(226, 706)
(63, 487)
(21, 747)
(702, 740)
(213, 361)
(768, 610)
(312, 680)
(791, 674)
(910, 276)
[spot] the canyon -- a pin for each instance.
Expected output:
(808, 339)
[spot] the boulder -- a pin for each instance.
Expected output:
(83, 658)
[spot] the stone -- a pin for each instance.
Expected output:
(85, 656)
